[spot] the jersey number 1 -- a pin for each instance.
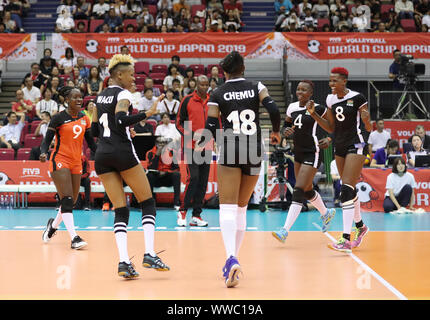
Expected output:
(247, 118)
(105, 123)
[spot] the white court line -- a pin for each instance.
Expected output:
(214, 228)
(385, 283)
(107, 228)
(181, 228)
(39, 227)
(252, 228)
(91, 228)
(161, 228)
(20, 227)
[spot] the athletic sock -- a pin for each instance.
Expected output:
(241, 227)
(357, 212)
(148, 224)
(318, 203)
(227, 223)
(57, 219)
(70, 224)
(348, 217)
(292, 215)
(120, 229)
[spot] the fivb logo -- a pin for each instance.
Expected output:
(31, 172)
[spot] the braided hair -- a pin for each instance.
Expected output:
(232, 63)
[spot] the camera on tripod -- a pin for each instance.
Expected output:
(278, 158)
(410, 70)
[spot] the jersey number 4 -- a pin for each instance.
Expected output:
(105, 123)
(244, 122)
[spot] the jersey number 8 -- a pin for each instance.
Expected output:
(339, 114)
(247, 118)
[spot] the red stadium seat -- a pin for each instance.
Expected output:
(408, 25)
(157, 77)
(160, 87)
(385, 10)
(84, 21)
(34, 126)
(197, 7)
(23, 154)
(24, 132)
(141, 67)
(140, 79)
(153, 123)
(126, 22)
(7, 154)
(153, 10)
(94, 24)
(350, 6)
(140, 87)
(321, 23)
(198, 69)
(159, 68)
(32, 140)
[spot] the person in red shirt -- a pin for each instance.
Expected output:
(163, 171)
(214, 27)
(22, 106)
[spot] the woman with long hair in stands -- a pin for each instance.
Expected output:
(349, 119)
(308, 142)
(237, 102)
(69, 127)
(116, 161)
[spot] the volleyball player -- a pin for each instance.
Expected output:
(69, 127)
(349, 118)
(307, 158)
(238, 101)
(116, 160)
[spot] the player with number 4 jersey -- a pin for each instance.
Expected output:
(349, 119)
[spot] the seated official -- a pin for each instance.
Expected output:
(400, 188)
(162, 170)
(381, 155)
(417, 145)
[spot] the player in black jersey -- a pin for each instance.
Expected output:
(307, 157)
(116, 160)
(237, 101)
(349, 119)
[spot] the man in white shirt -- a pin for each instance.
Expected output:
(167, 129)
(31, 92)
(10, 134)
(379, 138)
(147, 101)
(360, 23)
(64, 22)
(103, 69)
(100, 9)
(404, 9)
(426, 19)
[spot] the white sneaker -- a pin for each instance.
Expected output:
(198, 222)
(176, 208)
(182, 219)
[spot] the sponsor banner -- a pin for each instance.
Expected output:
(18, 46)
(156, 45)
(403, 130)
(371, 188)
(326, 46)
(37, 173)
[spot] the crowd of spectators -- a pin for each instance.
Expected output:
(149, 16)
(11, 14)
(352, 15)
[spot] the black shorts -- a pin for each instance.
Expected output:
(309, 158)
(239, 157)
(358, 148)
(114, 162)
(247, 169)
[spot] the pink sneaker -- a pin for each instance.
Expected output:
(359, 234)
(342, 245)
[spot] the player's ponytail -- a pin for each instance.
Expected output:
(232, 63)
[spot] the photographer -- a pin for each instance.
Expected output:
(394, 73)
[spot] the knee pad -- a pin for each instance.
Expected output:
(309, 195)
(347, 194)
(66, 205)
(298, 195)
(122, 215)
(148, 211)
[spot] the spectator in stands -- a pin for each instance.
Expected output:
(41, 130)
(335, 7)
(56, 73)
(214, 74)
(15, 9)
(326, 28)
(164, 4)
(404, 9)
(214, 27)
(64, 22)
(54, 85)
(142, 27)
(164, 20)
(162, 172)
(134, 8)
(321, 10)
(418, 150)
(191, 87)
(120, 8)
(113, 21)
(336, 182)
(375, 21)
(360, 22)
(147, 101)
(173, 73)
(10, 134)
(400, 188)
(100, 9)
(136, 97)
(103, 69)
(36, 75)
(143, 127)
(212, 85)
(83, 10)
(147, 19)
(399, 28)
(67, 63)
(391, 21)
(95, 84)
(2, 27)
(30, 91)
(90, 109)
(343, 21)
(426, 19)
(421, 9)
(381, 155)
(47, 63)
(381, 27)
(394, 72)
(149, 83)
(176, 60)
(78, 81)
(214, 5)
(237, 7)
(103, 28)
(169, 105)
(166, 128)
(215, 16)
(46, 104)
(360, 7)
(280, 18)
(424, 28)
(291, 23)
(378, 139)
(81, 28)
(308, 20)
(232, 19)
(182, 20)
(287, 4)
(420, 131)
(181, 4)
(83, 70)
(22, 106)
(189, 74)
(177, 89)
(10, 24)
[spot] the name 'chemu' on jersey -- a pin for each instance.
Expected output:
(349, 128)
(112, 138)
(306, 133)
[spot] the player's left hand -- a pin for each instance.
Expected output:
(324, 143)
(275, 138)
(310, 106)
(132, 133)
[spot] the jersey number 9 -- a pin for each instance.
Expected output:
(77, 130)
(246, 117)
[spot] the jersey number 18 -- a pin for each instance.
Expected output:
(246, 117)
